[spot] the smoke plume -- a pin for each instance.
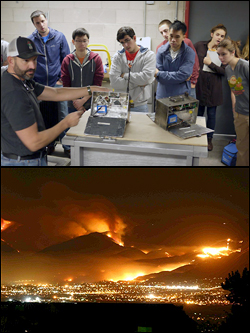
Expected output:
(96, 215)
(59, 214)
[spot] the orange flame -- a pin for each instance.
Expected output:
(5, 224)
(112, 225)
(214, 252)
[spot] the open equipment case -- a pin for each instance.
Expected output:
(177, 114)
(109, 114)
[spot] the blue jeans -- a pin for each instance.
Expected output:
(36, 162)
(211, 117)
(140, 108)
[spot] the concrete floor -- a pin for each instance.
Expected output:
(214, 157)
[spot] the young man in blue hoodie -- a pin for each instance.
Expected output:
(174, 64)
(54, 46)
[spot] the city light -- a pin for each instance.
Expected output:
(207, 292)
(183, 287)
(152, 296)
(27, 299)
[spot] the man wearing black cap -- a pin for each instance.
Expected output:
(23, 132)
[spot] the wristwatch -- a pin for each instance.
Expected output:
(89, 90)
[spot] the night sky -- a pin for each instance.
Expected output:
(148, 208)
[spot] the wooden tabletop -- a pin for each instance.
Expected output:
(141, 128)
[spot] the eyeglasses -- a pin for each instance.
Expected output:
(126, 41)
(81, 41)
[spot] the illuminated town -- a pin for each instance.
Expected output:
(206, 293)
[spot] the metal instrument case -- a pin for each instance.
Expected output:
(109, 114)
(177, 114)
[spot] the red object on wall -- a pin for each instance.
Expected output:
(187, 10)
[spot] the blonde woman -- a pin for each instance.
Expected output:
(237, 73)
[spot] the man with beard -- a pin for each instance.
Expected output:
(23, 132)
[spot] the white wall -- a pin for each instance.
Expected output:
(101, 18)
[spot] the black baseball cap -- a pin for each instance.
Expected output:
(23, 48)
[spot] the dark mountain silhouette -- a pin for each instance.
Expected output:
(92, 244)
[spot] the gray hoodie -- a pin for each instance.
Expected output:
(141, 76)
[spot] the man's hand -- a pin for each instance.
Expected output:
(67, 93)
(59, 82)
(78, 103)
(73, 118)
(35, 140)
(156, 71)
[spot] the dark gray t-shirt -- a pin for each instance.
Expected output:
(238, 80)
(19, 110)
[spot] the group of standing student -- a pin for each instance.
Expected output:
(179, 67)
(217, 57)
(209, 86)
(205, 82)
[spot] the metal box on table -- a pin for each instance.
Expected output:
(176, 110)
(177, 114)
(109, 114)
